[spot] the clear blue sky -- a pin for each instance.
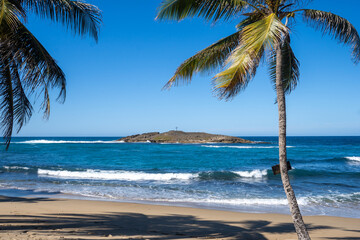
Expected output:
(114, 87)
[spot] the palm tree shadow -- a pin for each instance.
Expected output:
(265, 226)
(25, 200)
(126, 224)
(345, 238)
(135, 224)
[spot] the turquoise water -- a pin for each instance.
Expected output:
(236, 177)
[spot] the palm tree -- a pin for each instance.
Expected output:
(263, 32)
(26, 68)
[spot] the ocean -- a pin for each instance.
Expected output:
(235, 177)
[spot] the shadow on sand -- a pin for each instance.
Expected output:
(129, 225)
(25, 200)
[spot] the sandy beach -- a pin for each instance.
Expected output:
(46, 218)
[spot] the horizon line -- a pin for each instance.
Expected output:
(219, 134)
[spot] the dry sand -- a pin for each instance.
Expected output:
(42, 218)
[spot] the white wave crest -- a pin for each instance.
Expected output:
(16, 167)
(117, 175)
(242, 147)
(64, 142)
(136, 176)
(252, 174)
(353, 158)
(239, 201)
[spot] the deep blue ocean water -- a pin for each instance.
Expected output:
(235, 177)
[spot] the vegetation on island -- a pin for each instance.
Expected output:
(183, 137)
(26, 68)
(263, 32)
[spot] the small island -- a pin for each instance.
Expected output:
(182, 137)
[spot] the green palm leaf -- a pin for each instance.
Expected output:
(257, 37)
(26, 68)
(10, 12)
(38, 68)
(290, 66)
(211, 58)
(338, 27)
(22, 106)
(236, 78)
(82, 18)
(6, 101)
(211, 10)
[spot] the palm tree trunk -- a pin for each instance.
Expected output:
(294, 208)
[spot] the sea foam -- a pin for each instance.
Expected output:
(116, 175)
(144, 176)
(239, 201)
(252, 174)
(64, 142)
(16, 168)
(353, 158)
(242, 147)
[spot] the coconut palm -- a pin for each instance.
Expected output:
(26, 68)
(263, 32)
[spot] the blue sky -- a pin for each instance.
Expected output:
(114, 87)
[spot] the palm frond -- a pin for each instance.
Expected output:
(36, 68)
(82, 18)
(211, 58)
(338, 27)
(211, 10)
(6, 101)
(45, 106)
(290, 74)
(235, 78)
(10, 12)
(25, 65)
(257, 37)
(22, 106)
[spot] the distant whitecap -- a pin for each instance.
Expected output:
(64, 142)
(242, 147)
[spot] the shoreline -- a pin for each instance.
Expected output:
(54, 218)
(245, 208)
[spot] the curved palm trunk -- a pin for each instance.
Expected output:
(294, 208)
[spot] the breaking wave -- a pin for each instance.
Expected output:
(242, 147)
(353, 158)
(330, 200)
(15, 168)
(144, 176)
(253, 174)
(116, 175)
(64, 142)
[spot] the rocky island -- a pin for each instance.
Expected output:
(182, 137)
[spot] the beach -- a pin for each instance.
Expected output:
(51, 218)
